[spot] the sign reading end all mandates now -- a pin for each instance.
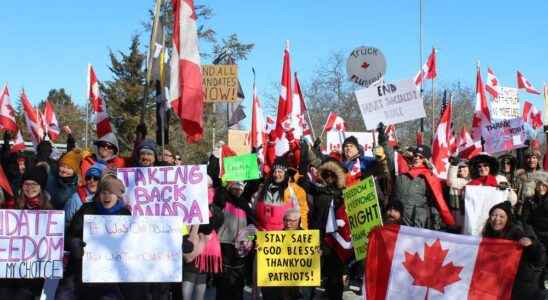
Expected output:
(220, 83)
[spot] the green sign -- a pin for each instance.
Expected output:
(363, 211)
(241, 167)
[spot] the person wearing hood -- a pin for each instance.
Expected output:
(33, 197)
(106, 153)
(420, 191)
(360, 166)
(458, 176)
(84, 193)
(483, 171)
(63, 182)
(500, 225)
(508, 169)
(527, 176)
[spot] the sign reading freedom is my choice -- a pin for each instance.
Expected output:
(220, 82)
(167, 191)
(31, 243)
(390, 103)
(362, 207)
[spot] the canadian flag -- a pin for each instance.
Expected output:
(523, 83)
(390, 133)
(531, 115)
(269, 125)
(283, 119)
(18, 143)
(492, 85)
(99, 107)
(428, 70)
(334, 122)
(414, 263)
(4, 182)
(52, 126)
(299, 121)
(33, 120)
(335, 130)
(482, 116)
(257, 134)
(440, 144)
(7, 113)
(466, 146)
(186, 91)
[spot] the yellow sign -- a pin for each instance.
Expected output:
(220, 82)
(288, 258)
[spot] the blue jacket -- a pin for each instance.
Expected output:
(61, 191)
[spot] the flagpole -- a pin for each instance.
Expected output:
(86, 101)
(433, 111)
(420, 57)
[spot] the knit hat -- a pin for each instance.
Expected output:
(96, 169)
(351, 140)
(108, 138)
(147, 144)
(72, 159)
(112, 184)
(36, 174)
(239, 185)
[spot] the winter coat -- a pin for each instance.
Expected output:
(113, 163)
(535, 213)
(456, 187)
(81, 196)
(527, 184)
(61, 190)
(235, 212)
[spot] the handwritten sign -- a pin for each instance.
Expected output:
(132, 249)
(288, 258)
(241, 167)
(506, 105)
(390, 103)
(220, 82)
(31, 243)
(167, 191)
(504, 135)
(363, 211)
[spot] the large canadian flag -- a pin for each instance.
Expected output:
(186, 92)
(413, 263)
(52, 126)
(33, 120)
(482, 116)
(7, 113)
(98, 105)
(523, 83)
(440, 145)
(532, 115)
(428, 70)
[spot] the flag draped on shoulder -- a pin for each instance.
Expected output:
(532, 115)
(98, 105)
(492, 85)
(33, 120)
(7, 113)
(414, 263)
(482, 115)
(441, 144)
(186, 93)
(428, 70)
(523, 83)
(52, 126)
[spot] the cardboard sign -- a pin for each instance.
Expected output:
(241, 167)
(506, 105)
(31, 243)
(390, 103)
(365, 66)
(167, 191)
(478, 200)
(504, 135)
(220, 82)
(363, 211)
(238, 140)
(132, 249)
(288, 258)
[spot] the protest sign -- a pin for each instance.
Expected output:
(504, 135)
(478, 200)
(238, 140)
(241, 167)
(506, 105)
(167, 191)
(31, 243)
(362, 208)
(390, 103)
(132, 249)
(334, 140)
(220, 82)
(288, 258)
(365, 66)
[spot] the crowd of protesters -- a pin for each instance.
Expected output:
(301, 190)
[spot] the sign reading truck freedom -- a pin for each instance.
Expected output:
(390, 103)
(31, 243)
(220, 82)
(167, 191)
(288, 258)
(365, 66)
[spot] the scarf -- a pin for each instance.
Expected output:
(210, 259)
(434, 186)
(109, 211)
(488, 180)
(33, 203)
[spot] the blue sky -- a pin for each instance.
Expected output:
(47, 44)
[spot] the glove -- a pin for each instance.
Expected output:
(454, 160)
(379, 153)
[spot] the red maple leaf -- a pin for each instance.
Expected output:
(365, 65)
(429, 272)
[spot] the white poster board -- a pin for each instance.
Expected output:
(167, 191)
(31, 243)
(478, 200)
(132, 249)
(506, 105)
(390, 103)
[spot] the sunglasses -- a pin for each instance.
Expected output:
(107, 146)
(483, 166)
(95, 178)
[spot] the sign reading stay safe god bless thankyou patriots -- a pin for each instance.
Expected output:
(167, 191)
(390, 103)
